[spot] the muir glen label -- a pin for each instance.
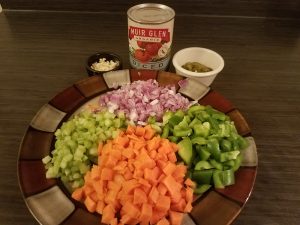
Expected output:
(150, 34)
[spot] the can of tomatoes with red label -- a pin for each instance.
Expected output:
(150, 35)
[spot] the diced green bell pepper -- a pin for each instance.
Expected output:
(203, 165)
(200, 189)
(203, 176)
(185, 151)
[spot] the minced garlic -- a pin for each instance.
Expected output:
(104, 65)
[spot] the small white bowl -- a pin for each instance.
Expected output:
(204, 56)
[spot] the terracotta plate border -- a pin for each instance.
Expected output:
(216, 207)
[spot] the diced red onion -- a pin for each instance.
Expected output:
(142, 99)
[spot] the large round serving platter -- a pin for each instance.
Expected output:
(50, 203)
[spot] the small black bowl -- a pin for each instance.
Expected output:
(95, 58)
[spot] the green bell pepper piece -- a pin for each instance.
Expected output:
(203, 152)
(174, 120)
(203, 165)
(225, 156)
(201, 129)
(199, 141)
(173, 139)
(193, 109)
(214, 148)
(237, 162)
(216, 164)
(185, 151)
(202, 176)
(165, 131)
(201, 189)
(225, 145)
(182, 133)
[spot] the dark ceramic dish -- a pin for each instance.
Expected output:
(51, 204)
(95, 58)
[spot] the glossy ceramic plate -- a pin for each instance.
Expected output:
(50, 203)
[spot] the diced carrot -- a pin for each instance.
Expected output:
(88, 189)
(140, 131)
(162, 156)
(145, 161)
(188, 182)
(153, 154)
(161, 164)
(189, 194)
(130, 185)
(152, 174)
(128, 153)
(171, 184)
(128, 174)
(146, 212)
(163, 204)
(130, 130)
(174, 146)
(119, 179)
(172, 157)
(77, 194)
(90, 204)
(138, 174)
(95, 175)
(180, 171)
(175, 217)
(162, 189)
(165, 149)
(122, 140)
(126, 219)
(169, 168)
(156, 216)
(188, 207)
(154, 194)
(114, 221)
(131, 210)
(179, 206)
(120, 166)
(139, 145)
(139, 196)
(107, 174)
(108, 214)
(138, 180)
(163, 221)
(149, 132)
(100, 207)
(94, 196)
(134, 137)
(153, 144)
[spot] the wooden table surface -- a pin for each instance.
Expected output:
(42, 53)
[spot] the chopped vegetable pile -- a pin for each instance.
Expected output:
(145, 174)
(76, 145)
(208, 144)
(138, 177)
(142, 99)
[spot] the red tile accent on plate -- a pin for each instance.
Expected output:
(142, 74)
(91, 86)
(82, 217)
(36, 144)
(241, 190)
(32, 177)
(68, 99)
(240, 122)
(215, 209)
(166, 78)
(217, 101)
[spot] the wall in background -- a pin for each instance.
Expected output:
(260, 8)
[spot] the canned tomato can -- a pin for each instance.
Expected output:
(150, 35)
